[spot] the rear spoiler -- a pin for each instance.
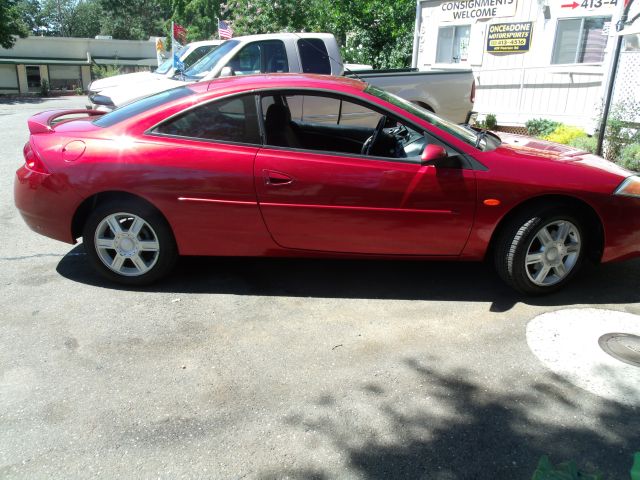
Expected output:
(43, 121)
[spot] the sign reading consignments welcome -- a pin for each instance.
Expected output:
(474, 9)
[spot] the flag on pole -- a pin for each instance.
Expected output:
(179, 33)
(178, 37)
(224, 30)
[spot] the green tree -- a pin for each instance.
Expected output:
(10, 23)
(67, 18)
(266, 16)
(199, 17)
(30, 12)
(134, 19)
(85, 19)
(377, 32)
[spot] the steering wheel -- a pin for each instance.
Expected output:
(369, 142)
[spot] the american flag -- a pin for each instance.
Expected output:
(224, 30)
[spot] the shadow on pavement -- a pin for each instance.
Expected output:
(369, 279)
(454, 428)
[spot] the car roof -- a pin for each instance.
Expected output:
(282, 80)
(204, 42)
(284, 35)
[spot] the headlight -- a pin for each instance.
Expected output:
(630, 187)
(101, 100)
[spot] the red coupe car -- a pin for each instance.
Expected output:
(303, 165)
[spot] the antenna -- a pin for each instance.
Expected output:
(326, 54)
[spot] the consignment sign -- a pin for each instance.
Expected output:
(509, 37)
(476, 9)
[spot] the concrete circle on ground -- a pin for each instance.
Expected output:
(566, 342)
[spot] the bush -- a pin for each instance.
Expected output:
(103, 71)
(630, 157)
(540, 127)
(586, 143)
(565, 134)
(79, 91)
(44, 88)
(490, 121)
(619, 132)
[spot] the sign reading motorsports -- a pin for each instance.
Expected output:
(509, 37)
(474, 9)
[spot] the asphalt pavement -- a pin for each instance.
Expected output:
(300, 369)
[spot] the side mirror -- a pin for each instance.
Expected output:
(431, 153)
(227, 71)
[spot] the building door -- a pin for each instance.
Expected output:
(33, 78)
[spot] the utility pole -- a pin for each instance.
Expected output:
(612, 76)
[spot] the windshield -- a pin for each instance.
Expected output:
(209, 61)
(164, 68)
(467, 135)
(168, 63)
(142, 105)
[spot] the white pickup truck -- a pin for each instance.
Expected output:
(448, 93)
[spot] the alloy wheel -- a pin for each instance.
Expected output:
(126, 244)
(553, 253)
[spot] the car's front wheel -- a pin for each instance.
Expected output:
(129, 242)
(539, 253)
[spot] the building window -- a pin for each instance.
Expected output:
(453, 44)
(64, 77)
(581, 40)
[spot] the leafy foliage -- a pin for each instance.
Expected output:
(491, 121)
(586, 143)
(619, 132)
(565, 134)
(375, 32)
(540, 127)
(11, 23)
(103, 71)
(630, 157)
(134, 19)
(44, 88)
(199, 17)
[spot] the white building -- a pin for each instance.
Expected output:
(66, 62)
(531, 58)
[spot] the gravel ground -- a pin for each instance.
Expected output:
(261, 368)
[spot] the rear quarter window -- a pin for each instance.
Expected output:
(314, 56)
(139, 106)
(228, 120)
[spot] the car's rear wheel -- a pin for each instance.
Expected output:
(539, 253)
(129, 242)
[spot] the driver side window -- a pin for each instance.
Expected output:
(337, 124)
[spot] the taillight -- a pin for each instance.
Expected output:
(32, 160)
(472, 97)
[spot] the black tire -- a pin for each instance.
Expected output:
(514, 241)
(155, 231)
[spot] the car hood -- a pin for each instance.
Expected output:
(126, 79)
(544, 150)
(120, 95)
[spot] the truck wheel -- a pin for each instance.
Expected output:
(538, 253)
